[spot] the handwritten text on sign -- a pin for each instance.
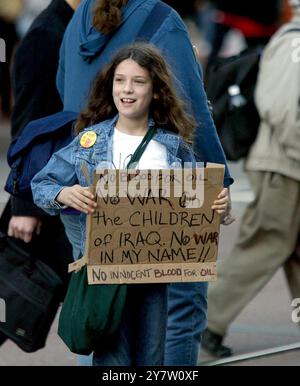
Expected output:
(136, 239)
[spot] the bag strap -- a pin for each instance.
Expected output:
(156, 17)
(142, 147)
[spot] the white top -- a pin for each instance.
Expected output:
(124, 146)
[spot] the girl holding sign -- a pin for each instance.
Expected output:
(132, 102)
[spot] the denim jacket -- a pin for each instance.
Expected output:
(65, 166)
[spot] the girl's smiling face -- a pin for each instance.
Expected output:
(132, 90)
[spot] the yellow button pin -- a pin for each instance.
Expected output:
(88, 139)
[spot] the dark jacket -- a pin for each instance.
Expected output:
(35, 67)
(35, 92)
(34, 74)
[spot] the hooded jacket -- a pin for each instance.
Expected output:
(85, 51)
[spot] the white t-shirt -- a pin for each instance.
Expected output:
(124, 146)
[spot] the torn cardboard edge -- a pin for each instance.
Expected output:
(77, 265)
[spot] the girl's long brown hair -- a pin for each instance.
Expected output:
(166, 108)
(107, 15)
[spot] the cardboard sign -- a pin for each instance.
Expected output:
(154, 226)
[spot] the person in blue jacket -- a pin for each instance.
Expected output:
(97, 30)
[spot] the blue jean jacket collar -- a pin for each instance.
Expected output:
(165, 137)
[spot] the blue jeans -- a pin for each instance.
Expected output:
(141, 341)
(187, 319)
(73, 232)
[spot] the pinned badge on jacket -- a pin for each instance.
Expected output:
(88, 139)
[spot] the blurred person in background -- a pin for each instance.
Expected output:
(31, 9)
(36, 96)
(9, 12)
(286, 14)
(197, 15)
(256, 20)
(269, 236)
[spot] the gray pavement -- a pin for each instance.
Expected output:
(265, 322)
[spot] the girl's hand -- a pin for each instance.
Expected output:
(223, 207)
(78, 198)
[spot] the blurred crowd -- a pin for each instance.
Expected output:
(208, 20)
(15, 19)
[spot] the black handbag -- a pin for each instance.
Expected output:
(30, 291)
